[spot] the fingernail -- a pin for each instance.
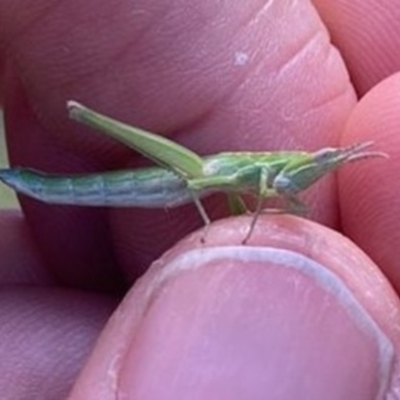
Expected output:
(251, 323)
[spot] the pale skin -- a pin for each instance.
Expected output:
(367, 123)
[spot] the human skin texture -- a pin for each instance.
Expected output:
(305, 309)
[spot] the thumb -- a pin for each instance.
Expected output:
(233, 322)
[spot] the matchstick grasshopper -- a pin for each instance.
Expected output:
(182, 176)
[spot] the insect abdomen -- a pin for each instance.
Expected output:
(148, 188)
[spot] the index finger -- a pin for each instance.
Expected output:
(220, 78)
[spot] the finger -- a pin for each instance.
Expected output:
(229, 85)
(20, 261)
(45, 337)
(367, 34)
(368, 194)
(72, 240)
(230, 322)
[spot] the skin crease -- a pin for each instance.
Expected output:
(268, 77)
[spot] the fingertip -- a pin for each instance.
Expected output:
(21, 261)
(45, 337)
(222, 319)
(368, 190)
(366, 32)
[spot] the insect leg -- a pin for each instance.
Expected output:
(199, 184)
(263, 193)
(210, 182)
(203, 214)
(236, 204)
(201, 209)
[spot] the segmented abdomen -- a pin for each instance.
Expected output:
(149, 187)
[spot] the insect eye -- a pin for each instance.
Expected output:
(282, 183)
(324, 155)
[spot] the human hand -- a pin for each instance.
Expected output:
(216, 79)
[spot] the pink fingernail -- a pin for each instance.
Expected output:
(254, 323)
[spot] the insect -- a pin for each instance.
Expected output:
(182, 176)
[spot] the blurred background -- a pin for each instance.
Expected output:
(7, 197)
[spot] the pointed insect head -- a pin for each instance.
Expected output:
(304, 171)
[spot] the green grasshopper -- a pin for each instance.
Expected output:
(182, 175)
